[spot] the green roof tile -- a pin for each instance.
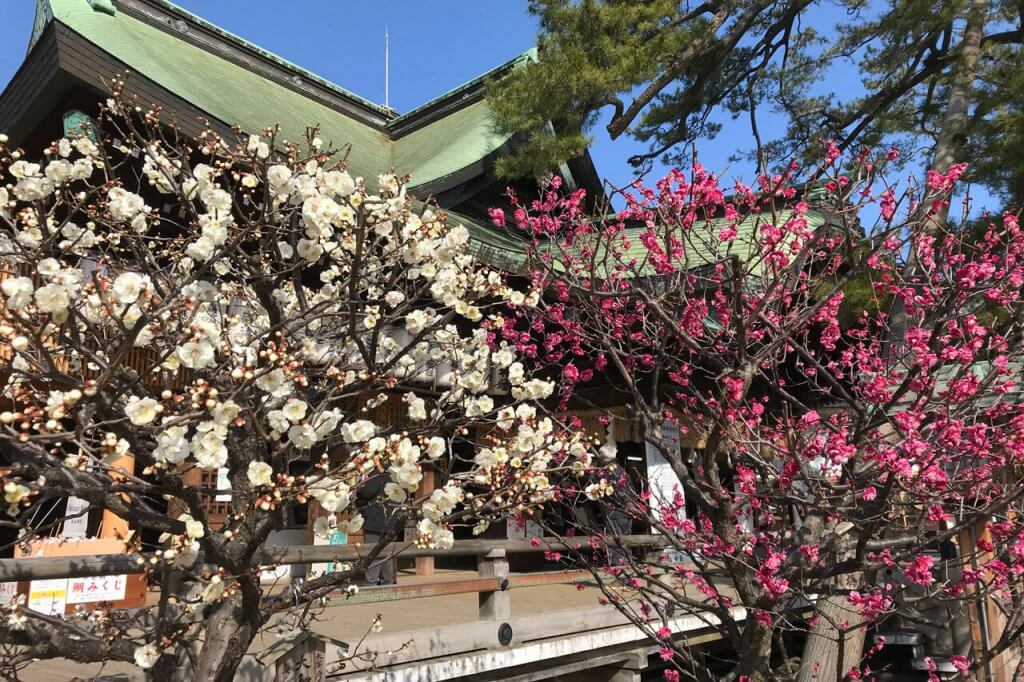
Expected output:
(503, 248)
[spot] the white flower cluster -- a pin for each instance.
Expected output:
(205, 442)
(274, 302)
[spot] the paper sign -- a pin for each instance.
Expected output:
(223, 486)
(76, 519)
(101, 588)
(8, 592)
(336, 538)
(662, 480)
(48, 596)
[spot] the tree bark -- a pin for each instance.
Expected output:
(230, 628)
(835, 643)
(950, 140)
(756, 656)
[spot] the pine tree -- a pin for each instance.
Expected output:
(664, 72)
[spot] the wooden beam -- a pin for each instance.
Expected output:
(117, 564)
(466, 586)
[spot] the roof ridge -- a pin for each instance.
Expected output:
(514, 62)
(267, 54)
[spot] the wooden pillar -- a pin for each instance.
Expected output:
(995, 621)
(113, 526)
(496, 605)
(425, 564)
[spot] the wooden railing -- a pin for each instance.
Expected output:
(492, 583)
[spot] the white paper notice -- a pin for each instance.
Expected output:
(76, 520)
(48, 596)
(223, 486)
(8, 591)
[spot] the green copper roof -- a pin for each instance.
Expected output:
(502, 248)
(48, 7)
(705, 247)
(234, 94)
(528, 56)
(450, 143)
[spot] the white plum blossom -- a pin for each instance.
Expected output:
(416, 321)
(303, 436)
(479, 406)
(295, 410)
(417, 407)
(197, 354)
(172, 446)
(14, 493)
(258, 147)
(338, 183)
(17, 292)
(142, 411)
(260, 474)
(354, 524)
(506, 418)
(52, 298)
(208, 446)
(23, 169)
(280, 318)
(358, 431)
(430, 534)
(278, 177)
(322, 526)
(272, 381)
(534, 389)
(436, 447)
(444, 538)
(147, 655)
(193, 529)
(125, 206)
(278, 422)
(407, 475)
(396, 493)
(334, 496)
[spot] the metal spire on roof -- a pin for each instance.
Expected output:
(386, 66)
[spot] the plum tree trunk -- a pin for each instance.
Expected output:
(835, 642)
(756, 656)
(230, 629)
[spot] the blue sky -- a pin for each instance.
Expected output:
(436, 45)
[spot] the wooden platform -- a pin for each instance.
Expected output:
(351, 621)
